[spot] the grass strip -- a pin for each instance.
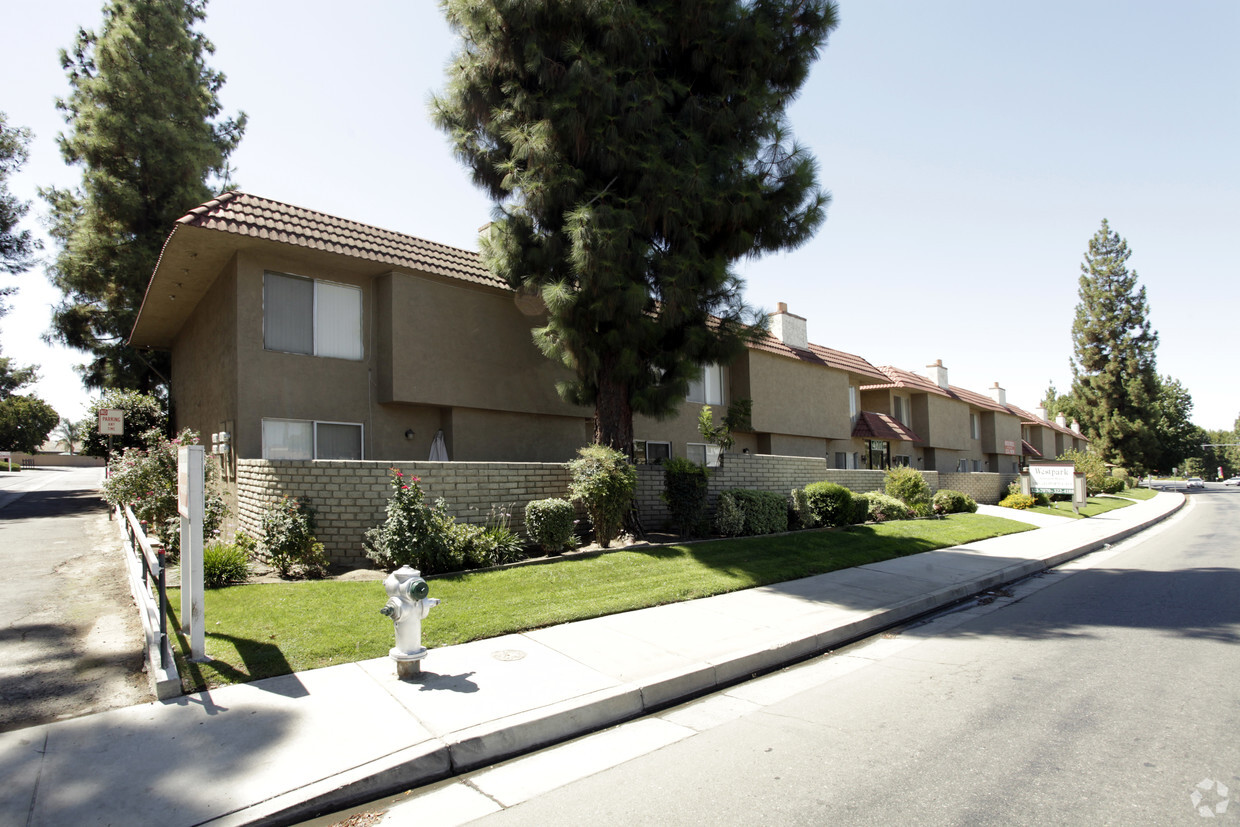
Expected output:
(1093, 507)
(264, 630)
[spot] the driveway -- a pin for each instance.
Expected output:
(70, 639)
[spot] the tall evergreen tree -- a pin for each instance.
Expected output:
(142, 119)
(1115, 383)
(1178, 438)
(635, 152)
(17, 246)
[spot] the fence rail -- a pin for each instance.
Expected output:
(153, 603)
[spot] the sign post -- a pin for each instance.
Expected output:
(112, 423)
(191, 468)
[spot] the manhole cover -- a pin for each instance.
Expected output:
(508, 654)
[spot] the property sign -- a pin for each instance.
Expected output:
(1051, 477)
(1009, 447)
(111, 421)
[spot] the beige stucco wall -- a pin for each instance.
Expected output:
(942, 423)
(793, 398)
(204, 361)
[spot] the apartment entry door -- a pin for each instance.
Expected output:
(879, 454)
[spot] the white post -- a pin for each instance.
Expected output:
(191, 467)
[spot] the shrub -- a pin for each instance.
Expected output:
(908, 486)
(1111, 485)
(830, 503)
(761, 512)
(947, 501)
(604, 483)
(1091, 465)
(729, 518)
(685, 492)
(1021, 501)
(224, 564)
(413, 533)
(288, 540)
(146, 480)
(881, 507)
(800, 515)
(549, 524)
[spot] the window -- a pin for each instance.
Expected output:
(898, 409)
(901, 461)
(707, 389)
(962, 466)
(313, 317)
(305, 439)
(841, 459)
(977, 466)
(852, 404)
(656, 452)
(703, 454)
(975, 428)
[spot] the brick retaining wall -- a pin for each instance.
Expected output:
(350, 497)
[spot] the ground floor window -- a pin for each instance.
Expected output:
(309, 439)
(651, 453)
(901, 461)
(703, 454)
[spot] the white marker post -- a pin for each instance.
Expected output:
(191, 465)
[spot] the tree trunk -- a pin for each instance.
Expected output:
(613, 414)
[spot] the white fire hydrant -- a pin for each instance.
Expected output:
(407, 605)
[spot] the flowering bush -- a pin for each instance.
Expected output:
(288, 540)
(881, 507)
(146, 480)
(414, 533)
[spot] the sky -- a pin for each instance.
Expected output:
(971, 148)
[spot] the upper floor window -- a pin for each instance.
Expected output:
(853, 407)
(975, 428)
(899, 409)
(707, 388)
(317, 318)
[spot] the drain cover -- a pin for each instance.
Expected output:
(508, 654)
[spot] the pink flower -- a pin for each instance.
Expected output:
(417, 479)
(405, 487)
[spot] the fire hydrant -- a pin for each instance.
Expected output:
(407, 605)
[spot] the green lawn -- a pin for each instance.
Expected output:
(1093, 506)
(262, 630)
(1138, 494)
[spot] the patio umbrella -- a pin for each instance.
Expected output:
(439, 449)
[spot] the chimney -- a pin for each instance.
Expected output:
(789, 328)
(938, 373)
(1040, 412)
(1061, 420)
(1076, 427)
(999, 394)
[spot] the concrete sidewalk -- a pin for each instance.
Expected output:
(282, 749)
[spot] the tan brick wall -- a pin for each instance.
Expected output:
(351, 497)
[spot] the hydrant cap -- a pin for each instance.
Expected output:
(418, 589)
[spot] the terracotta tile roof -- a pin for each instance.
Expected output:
(978, 400)
(897, 378)
(250, 215)
(1029, 450)
(1027, 418)
(874, 425)
(817, 354)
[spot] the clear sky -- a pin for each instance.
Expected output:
(972, 150)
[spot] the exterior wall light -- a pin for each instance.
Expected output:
(409, 434)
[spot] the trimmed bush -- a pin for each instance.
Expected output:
(729, 517)
(550, 523)
(946, 501)
(762, 512)
(224, 564)
(881, 508)
(1021, 501)
(830, 503)
(800, 515)
(604, 483)
(684, 491)
(908, 486)
(1112, 485)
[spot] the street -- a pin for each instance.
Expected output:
(1101, 693)
(70, 639)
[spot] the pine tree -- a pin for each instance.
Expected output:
(1115, 383)
(635, 152)
(16, 246)
(142, 124)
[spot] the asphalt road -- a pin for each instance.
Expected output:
(1102, 693)
(70, 639)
